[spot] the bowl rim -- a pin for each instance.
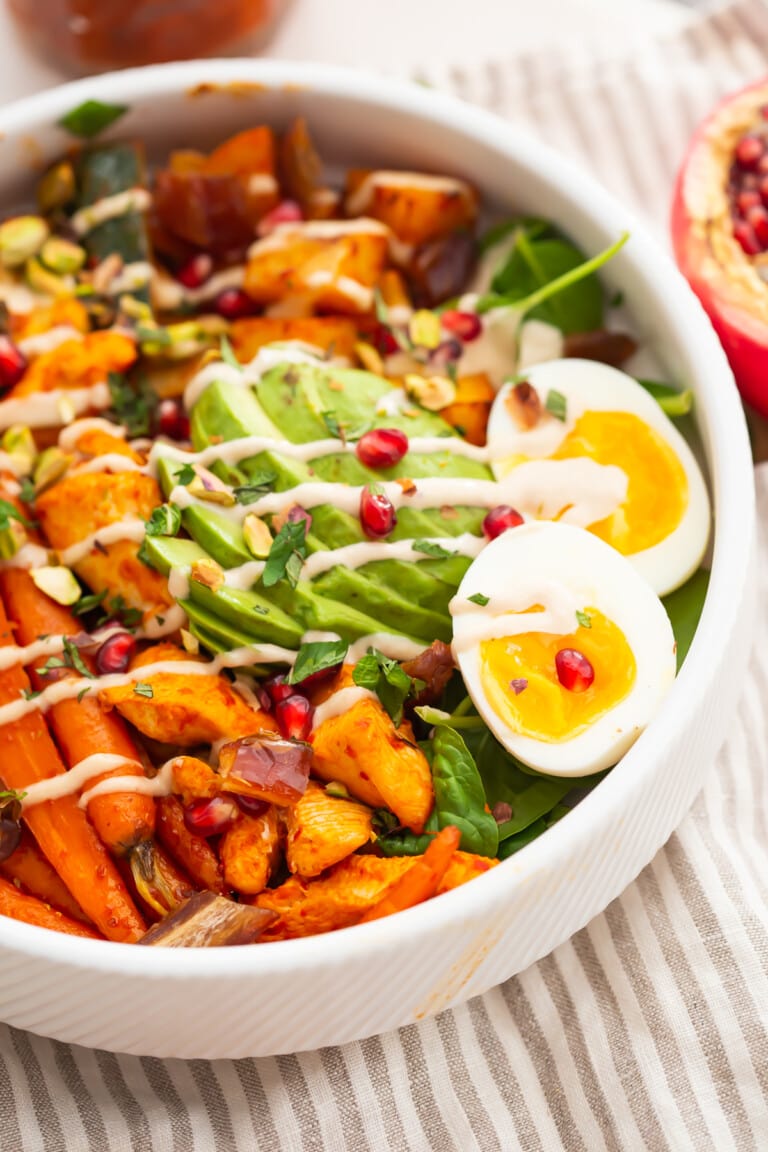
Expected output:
(733, 487)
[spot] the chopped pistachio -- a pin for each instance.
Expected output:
(57, 187)
(57, 582)
(337, 789)
(51, 465)
(208, 572)
(49, 283)
(424, 329)
(20, 445)
(62, 255)
(369, 358)
(431, 392)
(190, 643)
(21, 237)
(257, 536)
(12, 537)
(206, 486)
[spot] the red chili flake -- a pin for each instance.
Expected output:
(518, 686)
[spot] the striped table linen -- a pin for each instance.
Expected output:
(647, 1030)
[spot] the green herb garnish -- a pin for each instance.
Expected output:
(91, 117)
(141, 688)
(9, 512)
(87, 604)
(480, 599)
(388, 680)
(185, 475)
(316, 657)
(286, 556)
(74, 660)
(259, 484)
(557, 405)
(228, 354)
(164, 521)
(584, 620)
(133, 406)
(430, 548)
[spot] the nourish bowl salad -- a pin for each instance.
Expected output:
(340, 555)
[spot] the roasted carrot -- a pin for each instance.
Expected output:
(422, 880)
(122, 819)
(28, 867)
(193, 852)
(19, 906)
(28, 754)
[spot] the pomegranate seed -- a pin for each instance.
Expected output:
(115, 653)
(748, 151)
(500, 519)
(763, 190)
(210, 817)
(286, 212)
(294, 717)
(466, 325)
(445, 354)
(196, 271)
(383, 341)
(172, 420)
(757, 218)
(747, 200)
(234, 304)
(377, 513)
(13, 363)
(746, 238)
(277, 689)
(574, 671)
(320, 677)
(381, 447)
(251, 805)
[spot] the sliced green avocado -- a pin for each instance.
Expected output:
(248, 612)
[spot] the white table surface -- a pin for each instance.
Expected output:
(405, 34)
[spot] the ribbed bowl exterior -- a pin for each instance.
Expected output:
(328, 990)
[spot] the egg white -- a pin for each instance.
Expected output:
(564, 568)
(588, 385)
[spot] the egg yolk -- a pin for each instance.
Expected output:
(657, 491)
(520, 679)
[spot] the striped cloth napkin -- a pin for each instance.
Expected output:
(647, 1030)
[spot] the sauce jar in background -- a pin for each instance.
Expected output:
(81, 36)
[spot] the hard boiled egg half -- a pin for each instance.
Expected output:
(660, 517)
(563, 646)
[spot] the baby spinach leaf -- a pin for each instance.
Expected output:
(534, 263)
(459, 794)
(670, 399)
(684, 607)
(519, 840)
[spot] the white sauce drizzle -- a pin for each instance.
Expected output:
(110, 208)
(367, 552)
(129, 528)
(46, 409)
(72, 781)
(161, 784)
(28, 556)
(131, 277)
(359, 201)
(168, 295)
(109, 462)
(43, 342)
(69, 437)
(508, 616)
(339, 703)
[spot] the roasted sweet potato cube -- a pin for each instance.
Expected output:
(323, 829)
(377, 763)
(339, 898)
(252, 150)
(250, 851)
(79, 505)
(416, 206)
(193, 779)
(184, 710)
(471, 407)
(96, 442)
(65, 311)
(78, 363)
(333, 334)
(324, 262)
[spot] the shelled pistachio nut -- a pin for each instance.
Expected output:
(62, 256)
(56, 187)
(49, 283)
(21, 237)
(19, 443)
(57, 582)
(51, 465)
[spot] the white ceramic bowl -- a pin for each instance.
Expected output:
(329, 989)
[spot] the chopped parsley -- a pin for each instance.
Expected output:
(556, 404)
(132, 405)
(185, 475)
(388, 680)
(141, 688)
(9, 512)
(259, 484)
(87, 604)
(287, 554)
(479, 598)
(164, 521)
(583, 619)
(316, 657)
(430, 548)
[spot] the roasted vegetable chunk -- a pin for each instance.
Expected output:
(181, 709)
(250, 851)
(323, 829)
(417, 207)
(78, 363)
(377, 763)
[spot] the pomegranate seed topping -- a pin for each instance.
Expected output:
(748, 151)
(13, 363)
(747, 200)
(746, 238)
(763, 190)
(234, 304)
(251, 805)
(115, 653)
(172, 420)
(466, 325)
(377, 513)
(196, 271)
(286, 212)
(500, 519)
(381, 447)
(210, 817)
(383, 341)
(757, 218)
(574, 671)
(322, 676)
(277, 689)
(294, 717)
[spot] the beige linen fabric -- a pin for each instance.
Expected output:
(647, 1030)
